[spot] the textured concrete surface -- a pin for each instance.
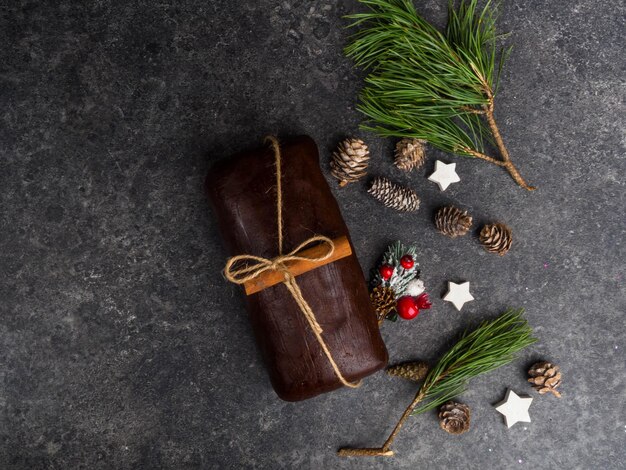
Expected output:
(122, 347)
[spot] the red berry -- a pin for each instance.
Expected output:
(407, 307)
(407, 262)
(423, 301)
(386, 272)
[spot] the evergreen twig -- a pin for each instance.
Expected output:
(430, 85)
(493, 344)
(402, 276)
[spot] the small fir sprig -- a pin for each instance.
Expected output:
(493, 344)
(432, 85)
(401, 277)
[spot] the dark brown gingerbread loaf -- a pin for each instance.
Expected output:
(242, 191)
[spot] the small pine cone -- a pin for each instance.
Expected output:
(454, 417)
(410, 154)
(496, 238)
(393, 195)
(545, 378)
(452, 221)
(414, 371)
(384, 301)
(349, 161)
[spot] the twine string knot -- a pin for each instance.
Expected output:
(243, 268)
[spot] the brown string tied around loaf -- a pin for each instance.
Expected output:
(243, 268)
(254, 266)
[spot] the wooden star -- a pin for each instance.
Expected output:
(458, 294)
(444, 175)
(514, 408)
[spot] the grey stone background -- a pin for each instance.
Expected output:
(122, 347)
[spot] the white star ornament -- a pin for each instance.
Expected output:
(514, 408)
(444, 175)
(458, 294)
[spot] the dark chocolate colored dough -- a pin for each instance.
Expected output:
(242, 191)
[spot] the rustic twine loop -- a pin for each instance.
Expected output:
(243, 268)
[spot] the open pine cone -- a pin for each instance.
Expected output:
(349, 162)
(410, 154)
(452, 221)
(454, 417)
(496, 238)
(384, 301)
(545, 378)
(393, 195)
(414, 371)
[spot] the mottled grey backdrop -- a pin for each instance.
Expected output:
(122, 347)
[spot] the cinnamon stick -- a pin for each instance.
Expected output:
(271, 278)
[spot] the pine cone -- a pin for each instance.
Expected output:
(410, 154)
(454, 417)
(545, 378)
(349, 161)
(452, 221)
(496, 238)
(384, 301)
(414, 371)
(393, 195)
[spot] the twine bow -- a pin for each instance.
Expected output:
(243, 268)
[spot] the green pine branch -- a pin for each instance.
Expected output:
(431, 85)
(493, 344)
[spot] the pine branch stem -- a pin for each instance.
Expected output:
(471, 110)
(482, 156)
(506, 163)
(407, 412)
(385, 450)
(506, 159)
